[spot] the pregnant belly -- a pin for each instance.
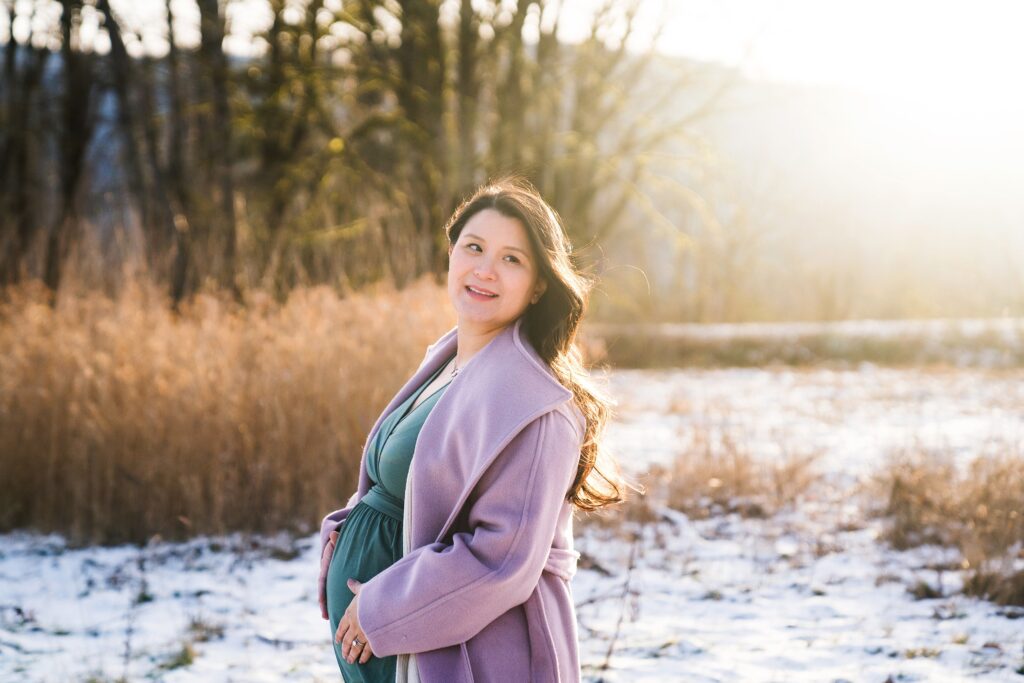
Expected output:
(369, 542)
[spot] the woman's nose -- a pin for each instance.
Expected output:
(484, 271)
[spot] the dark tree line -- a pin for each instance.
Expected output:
(335, 156)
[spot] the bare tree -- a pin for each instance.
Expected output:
(215, 66)
(77, 123)
(24, 65)
(176, 166)
(342, 150)
(145, 176)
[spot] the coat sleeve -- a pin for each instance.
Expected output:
(443, 594)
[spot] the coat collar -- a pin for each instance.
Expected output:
(501, 389)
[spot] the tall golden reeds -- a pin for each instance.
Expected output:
(120, 419)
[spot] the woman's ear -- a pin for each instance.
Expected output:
(538, 291)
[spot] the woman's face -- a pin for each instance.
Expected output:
(492, 255)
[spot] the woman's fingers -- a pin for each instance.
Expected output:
(343, 638)
(325, 565)
(349, 652)
(348, 630)
(344, 635)
(360, 652)
(325, 562)
(325, 559)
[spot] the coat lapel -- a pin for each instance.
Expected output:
(504, 387)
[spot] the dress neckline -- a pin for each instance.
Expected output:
(412, 406)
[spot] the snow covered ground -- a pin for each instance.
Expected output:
(809, 594)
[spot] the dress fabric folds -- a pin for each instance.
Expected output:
(370, 540)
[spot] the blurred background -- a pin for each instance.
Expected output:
(221, 254)
(713, 161)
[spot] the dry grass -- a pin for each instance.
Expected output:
(713, 477)
(718, 476)
(708, 478)
(978, 509)
(119, 419)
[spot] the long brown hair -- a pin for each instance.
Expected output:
(551, 324)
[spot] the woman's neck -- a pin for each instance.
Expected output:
(471, 340)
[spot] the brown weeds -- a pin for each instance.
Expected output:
(977, 508)
(712, 477)
(120, 419)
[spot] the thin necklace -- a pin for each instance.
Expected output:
(455, 367)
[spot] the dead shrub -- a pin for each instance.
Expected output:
(977, 508)
(720, 477)
(1002, 588)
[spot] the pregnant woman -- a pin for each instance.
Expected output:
(452, 560)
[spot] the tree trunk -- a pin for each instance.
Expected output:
(145, 178)
(468, 91)
(18, 215)
(176, 171)
(215, 62)
(421, 62)
(74, 136)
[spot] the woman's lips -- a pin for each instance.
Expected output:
(478, 296)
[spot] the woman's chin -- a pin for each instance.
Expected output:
(468, 315)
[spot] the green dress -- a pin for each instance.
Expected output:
(370, 540)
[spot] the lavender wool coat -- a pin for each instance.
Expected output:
(482, 592)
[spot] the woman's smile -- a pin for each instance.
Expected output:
(480, 294)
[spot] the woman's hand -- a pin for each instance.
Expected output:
(349, 630)
(325, 563)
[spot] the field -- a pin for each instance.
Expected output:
(768, 548)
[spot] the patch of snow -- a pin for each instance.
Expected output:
(809, 594)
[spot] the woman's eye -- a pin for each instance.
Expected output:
(471, 245)
(514, 259)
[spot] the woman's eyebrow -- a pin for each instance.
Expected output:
(478, 237)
